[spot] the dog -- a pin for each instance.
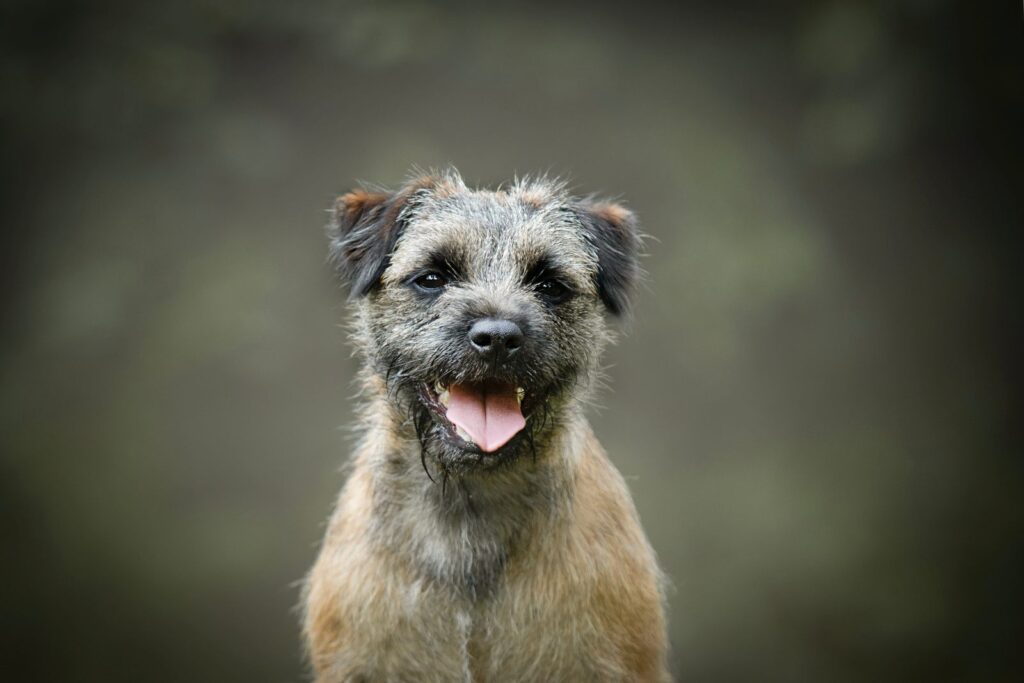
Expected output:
(482, 533)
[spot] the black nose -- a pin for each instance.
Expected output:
(495, 338)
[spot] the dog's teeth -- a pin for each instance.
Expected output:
(461, 433)
(520, 394)
(443, 397)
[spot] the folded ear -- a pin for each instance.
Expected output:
(612, 230)
(363, 231)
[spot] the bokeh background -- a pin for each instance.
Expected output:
(814, 404)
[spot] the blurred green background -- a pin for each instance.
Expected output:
(813, 406)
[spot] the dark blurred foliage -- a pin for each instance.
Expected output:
(814, 405)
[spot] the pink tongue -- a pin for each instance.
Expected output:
(490, 415)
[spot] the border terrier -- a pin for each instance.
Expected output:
(482, 534)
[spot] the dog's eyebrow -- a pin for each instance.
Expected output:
(448, 261)
(543, 267)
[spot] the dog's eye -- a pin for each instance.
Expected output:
(553, 290)
(430, 281)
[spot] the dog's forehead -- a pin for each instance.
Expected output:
(493, 232)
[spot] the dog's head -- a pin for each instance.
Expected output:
(484, 311)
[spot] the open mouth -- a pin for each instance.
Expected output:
(481, 416)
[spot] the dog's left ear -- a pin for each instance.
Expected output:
(363, 231)
(612, 230)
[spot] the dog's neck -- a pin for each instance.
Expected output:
(463, 527)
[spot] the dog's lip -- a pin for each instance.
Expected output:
(434, 396)
(440, 391)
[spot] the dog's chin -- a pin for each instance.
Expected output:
(457, 455)
(471, 442)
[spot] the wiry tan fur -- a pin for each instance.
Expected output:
(535, 570)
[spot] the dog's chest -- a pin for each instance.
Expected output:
(511, 629)
(465, 541)
(475, 598)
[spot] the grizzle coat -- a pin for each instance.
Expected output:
(449, 558)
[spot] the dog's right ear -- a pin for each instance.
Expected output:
(363, 231)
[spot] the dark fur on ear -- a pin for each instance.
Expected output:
(612, 229)
(363, 231)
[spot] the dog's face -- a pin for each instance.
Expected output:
(483, 310)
